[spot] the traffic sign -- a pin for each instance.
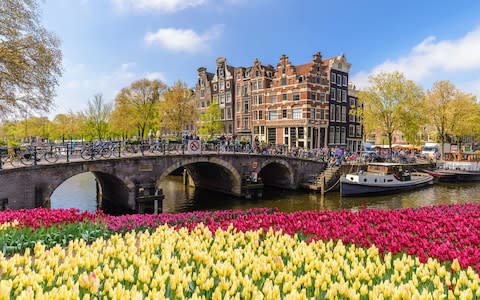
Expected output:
(194, 147)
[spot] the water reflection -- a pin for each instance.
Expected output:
(79, 191)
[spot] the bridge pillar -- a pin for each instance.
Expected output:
(148, 198)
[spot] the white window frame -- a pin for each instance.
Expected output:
(297, 114)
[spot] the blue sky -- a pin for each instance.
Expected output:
(107, 44)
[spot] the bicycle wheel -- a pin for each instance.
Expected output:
(86, 154)
(51, 156)
(27, 158)
(105, 152)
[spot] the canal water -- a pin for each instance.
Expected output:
(80, 192)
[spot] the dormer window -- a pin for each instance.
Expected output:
(220, 72)
(300, 79)
(257, 73)
(284, 70)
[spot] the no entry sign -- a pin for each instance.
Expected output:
(194, 147)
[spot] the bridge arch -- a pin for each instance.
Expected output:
(114, 191)
(277, 173)
(209, 172)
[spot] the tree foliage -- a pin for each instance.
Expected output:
(177, 110)
(393, 103)
(30, 59)
(137, 105)
(97, 115)
(210, 123)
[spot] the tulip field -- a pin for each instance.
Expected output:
(425, 253)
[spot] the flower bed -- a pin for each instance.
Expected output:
(178, 264)
(445, 232)
(45, 217)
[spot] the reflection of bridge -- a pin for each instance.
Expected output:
(121, 178)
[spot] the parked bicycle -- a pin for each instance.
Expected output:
(95, 151)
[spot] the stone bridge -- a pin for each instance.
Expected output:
(121, 178)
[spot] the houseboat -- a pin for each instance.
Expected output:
(456, 171)
(382, 178)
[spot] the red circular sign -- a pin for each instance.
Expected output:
(194, 146)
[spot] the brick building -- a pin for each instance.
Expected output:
(355, 128)
(287, 104)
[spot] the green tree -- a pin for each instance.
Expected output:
(177, 109)
(394, 103)
(97, 115)
(210, 123)
(30, 59)
(451, 112)
(140, 103)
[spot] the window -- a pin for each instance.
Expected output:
(246, 107)
(340, 66)
(342, 137)
(284, 113)
(301, 133)
(255, 100)
(351, 118)
(202, 104)
(344, 114)
(239, 91)
(285, 131)
(272, 135)
(215, 99)
(284, 70)
(339, 79)
(352, 102)
(313, 96)
(260, 114)
(229, 113)
(332, 112)
(337, 135)
(245, 90)
(333, 91)
(318, 80)
(339, 95)
(351, 130)
(331, 135)
(220, 72)
(222, 114)
(222, 85)
(322, 114)
(202, 93)
(284, 97)
(272, 115)
(359, 130)
(237, 106)
(257, 73)
(260, 99)
(344, 96)
(228, 98)
(239, 75)
(255, 129)
(322, 97)
(345, 81)
(214, 86)
(238, 123)
(338, 111)
(245, 123)
(283, 81)
(296, 96)
(297, 113)
(272, 98)
(260, 84)
(300, 79)
(312, 113)
(333, 77)
(254, 85)
(222, 99)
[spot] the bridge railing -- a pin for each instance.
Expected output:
(67, 152)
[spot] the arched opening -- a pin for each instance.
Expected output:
(78, 191)
(89, 191)
(192, 185)
(277, 174)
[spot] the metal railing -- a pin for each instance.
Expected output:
(28, 155)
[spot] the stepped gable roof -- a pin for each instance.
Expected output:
(304, 69)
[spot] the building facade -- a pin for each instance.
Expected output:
(305, 106)
(355, 128)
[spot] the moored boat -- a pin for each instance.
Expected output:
(382, 178)
(456, 171)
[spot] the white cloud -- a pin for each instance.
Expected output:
(167, 6)
(185, 40)
(431, 58)
(155, 75)
(81, 82)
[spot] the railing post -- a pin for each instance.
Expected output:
(119, 149)
(163, 146)
(141, 147)
(34, 155)
(68, 154)
(183, 148)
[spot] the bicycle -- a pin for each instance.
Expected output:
(92, 151)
